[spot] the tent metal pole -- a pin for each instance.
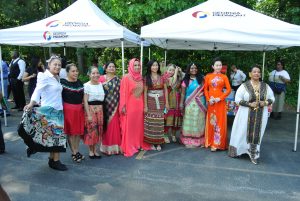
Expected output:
(65, 50)
(297, 118)
(149, 53)
(263, 67)
(141, 57)
(123, 62)
(165, 58)
(2, 86)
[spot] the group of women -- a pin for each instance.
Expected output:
(136, 113)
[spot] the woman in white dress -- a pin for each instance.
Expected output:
(253, 98)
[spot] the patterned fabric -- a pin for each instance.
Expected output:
(194, 116)
(112, 96)
(232, 151)
(45, 125)
(255, 114)
(93, 130)
(154, 118)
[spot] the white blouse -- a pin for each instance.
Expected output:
(48, 90)
(95, 91)
(274, 76)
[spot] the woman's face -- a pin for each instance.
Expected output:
(255, 74)
(154, 67)
(94, 75)
(279, 66)
(73, 73)
(217, 66)
(54, 66)
(193, 70)
(136, 66)
(171, 70)
(111, 68)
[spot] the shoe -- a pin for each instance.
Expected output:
(153, 148)
(174, 138)
(158, 148)
(57, 165)
(81, 156)
(29, 152)
(76, 158)
(2, 151)
(213, 149)
(254, 161)
(167, 140)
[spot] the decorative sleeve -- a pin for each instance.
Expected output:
(239, 96)
(228, 88)
(123, 92)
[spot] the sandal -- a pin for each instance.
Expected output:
(76, 158)
(153, 148)
(158, 148)
(174, 138)
(80, 155)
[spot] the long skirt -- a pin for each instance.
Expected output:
(74, 119)
(278, 105)
(193, 125)
(42, 129)
(93, 130)
(154, 120)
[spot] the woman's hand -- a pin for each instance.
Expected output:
(145, 109)
(123, 111)
(212, 100)
(28, 107)
(217, 100)
(253, 104)
(90, 118)
(262, 103)
(167, 106)
(181, 106)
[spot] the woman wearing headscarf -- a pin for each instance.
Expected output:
(131, 110)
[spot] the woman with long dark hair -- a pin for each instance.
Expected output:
(194, 105)
(155, 103)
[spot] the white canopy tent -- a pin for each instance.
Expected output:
(82, 24)
(223, 25)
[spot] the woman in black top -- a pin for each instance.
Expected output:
(31, 72)
(72, 95)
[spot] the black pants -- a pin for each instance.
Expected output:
(2, 145)
(17, 88)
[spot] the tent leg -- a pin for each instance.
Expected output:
(141, 58)
(263, 67)
(2, 86)
(123, 62)
(165, 58)
(149, 53)
(297, 118)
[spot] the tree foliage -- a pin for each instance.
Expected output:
(136, 13)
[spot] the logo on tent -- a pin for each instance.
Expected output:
(47, 35)
(54, 23)
(200, 14)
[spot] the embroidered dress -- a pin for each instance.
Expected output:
(249, 124)
(216, 119)
(154, 118)
(93, 130)
(194, 116)
(72, 95)
(111, 141)
(173, 119)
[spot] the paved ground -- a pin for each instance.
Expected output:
(175, 173)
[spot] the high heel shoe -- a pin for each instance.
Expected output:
(254, 161)
(29, 152)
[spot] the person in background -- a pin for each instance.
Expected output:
(278, 79)
(111, 143)
(17, 69)
(249, 125)
(194, 105)
(63, 73)
(72, 95)
(93, 105)
(173, 118)
(31, 72)
(156, 103)
(131, 110)
(42, 129)
(5, 86)
(99, 66)
(2, 143)
(237, 77)
(216, 120)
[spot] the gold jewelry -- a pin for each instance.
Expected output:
(266, 103)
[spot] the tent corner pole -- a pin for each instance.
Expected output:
(165, 58)
(263, 66)
(141, 57)
(123, 62)
(297, 116)
(149, 53)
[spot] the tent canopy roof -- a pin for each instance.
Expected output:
(82, 24)
(221, 25)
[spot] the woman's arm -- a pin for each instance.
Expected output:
(145, 98)
(86, 106)
(183, 89)
(166, 96)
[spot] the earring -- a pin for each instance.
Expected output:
(250, 75)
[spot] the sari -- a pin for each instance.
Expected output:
(193, 126)
(111, 140)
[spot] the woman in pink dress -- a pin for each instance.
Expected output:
(131, 110)
(111, 141)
